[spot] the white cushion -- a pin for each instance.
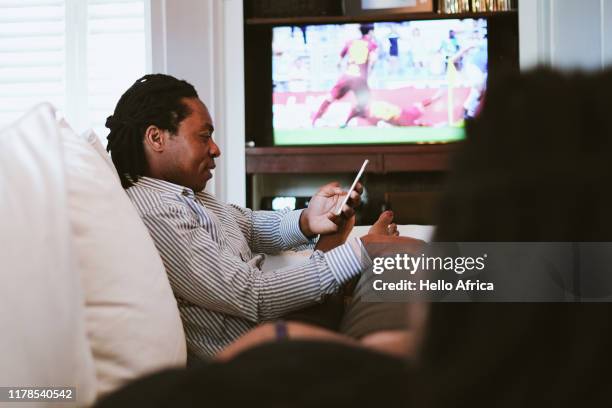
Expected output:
(422, 232)
(92, 138)
(42, 339)
(132, 318)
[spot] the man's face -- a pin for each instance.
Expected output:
(191, 152)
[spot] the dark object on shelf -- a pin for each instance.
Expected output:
(413, 207)
(288, 8)
(360, 7)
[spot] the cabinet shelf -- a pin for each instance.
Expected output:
(340, 159)
(371, 17)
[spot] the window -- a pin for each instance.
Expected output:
(79, 55)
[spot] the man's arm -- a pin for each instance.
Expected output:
(270, 232)
(274, 231)
(201, 273)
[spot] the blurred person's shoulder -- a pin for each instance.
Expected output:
(287, 373)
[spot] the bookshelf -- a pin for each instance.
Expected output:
(271, 21)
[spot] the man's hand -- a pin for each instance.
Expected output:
(383, 226)
(331, 241)
(320, 217)
(383, 239)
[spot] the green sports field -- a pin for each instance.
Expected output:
(367, 135)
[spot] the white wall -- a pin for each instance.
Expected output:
(201, 41)
(566, 34)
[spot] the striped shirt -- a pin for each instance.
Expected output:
(213, 253)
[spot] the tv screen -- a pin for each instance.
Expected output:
(377, 83)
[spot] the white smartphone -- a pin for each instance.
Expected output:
(363, 166)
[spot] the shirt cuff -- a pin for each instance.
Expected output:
(290, 231)
(348, 260)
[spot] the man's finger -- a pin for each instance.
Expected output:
(330, 188)
(354, 200)
(330, 191)
(392, 229)
(336, 219)
(348, 211)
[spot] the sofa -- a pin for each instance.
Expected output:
(85, 301)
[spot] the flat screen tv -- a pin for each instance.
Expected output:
(377, 83)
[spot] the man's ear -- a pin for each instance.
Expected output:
(155, 138)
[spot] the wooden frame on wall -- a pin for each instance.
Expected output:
(360, 7)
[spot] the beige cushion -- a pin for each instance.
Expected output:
(42, 331)
(132, 318)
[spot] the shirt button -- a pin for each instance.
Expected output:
(186, 193)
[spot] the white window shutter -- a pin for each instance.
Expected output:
(79, 55)
(32, 56)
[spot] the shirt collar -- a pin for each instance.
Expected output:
(164, 186)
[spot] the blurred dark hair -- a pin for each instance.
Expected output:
(152, 100)
(533, 168)
(366, 28)
(535, 163)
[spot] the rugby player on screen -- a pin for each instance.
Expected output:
(383, 111)
(360, 55)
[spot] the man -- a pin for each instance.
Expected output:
(161, 144)
(360, 55)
